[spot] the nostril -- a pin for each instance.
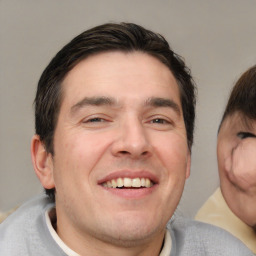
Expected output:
(124, 152)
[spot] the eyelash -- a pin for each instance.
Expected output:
(244, 135)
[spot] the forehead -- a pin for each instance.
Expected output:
(237, 122)
(121, 75)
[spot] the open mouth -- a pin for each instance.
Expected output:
(128, 183)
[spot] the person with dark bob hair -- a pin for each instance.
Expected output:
(114, 114)
(232, 207)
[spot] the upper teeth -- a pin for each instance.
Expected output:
(128, 182)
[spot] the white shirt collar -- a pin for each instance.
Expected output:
(55, 236)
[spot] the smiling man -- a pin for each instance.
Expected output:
(114, 128)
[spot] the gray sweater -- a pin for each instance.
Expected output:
(25, 233)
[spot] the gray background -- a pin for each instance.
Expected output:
(217, 38)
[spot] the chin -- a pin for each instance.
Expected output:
(134, 229)
(130, 237)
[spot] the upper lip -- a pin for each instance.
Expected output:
(126, 173)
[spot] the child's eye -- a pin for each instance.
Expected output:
(244, 135)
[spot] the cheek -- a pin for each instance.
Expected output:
(174, 147)
(174, 157)
(174, 154)
(74, 163)
(224, 151)
(80, 152)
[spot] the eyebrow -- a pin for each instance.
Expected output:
(109, 101)
(163, 102)
(93, 101)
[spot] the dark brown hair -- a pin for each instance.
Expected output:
(243, 97)
(126, 37)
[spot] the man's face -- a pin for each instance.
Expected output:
(121, 155)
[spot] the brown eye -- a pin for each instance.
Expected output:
(244, 135)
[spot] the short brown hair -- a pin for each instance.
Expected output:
(243, 97)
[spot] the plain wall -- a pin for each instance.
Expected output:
(216, 38)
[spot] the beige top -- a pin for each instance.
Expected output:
(216, 212)
(165, 250)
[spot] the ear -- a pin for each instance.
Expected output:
(188, 164)
(42, 162)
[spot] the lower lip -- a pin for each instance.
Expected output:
(130, 193)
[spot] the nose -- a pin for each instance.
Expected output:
(132, 141)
